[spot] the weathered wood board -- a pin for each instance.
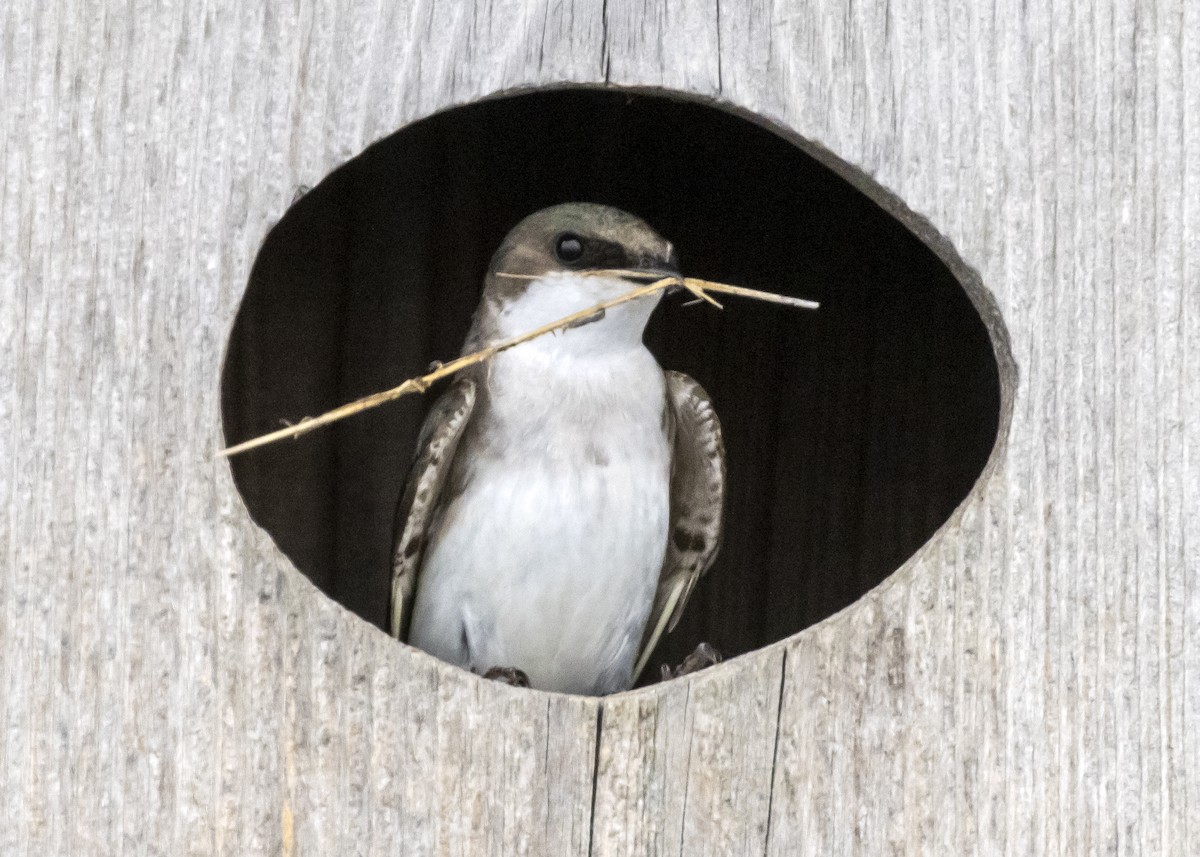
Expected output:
(1029, 683)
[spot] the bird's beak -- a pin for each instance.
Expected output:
(646, 276)
(662, 266)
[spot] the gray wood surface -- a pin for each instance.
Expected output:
(1029, 683)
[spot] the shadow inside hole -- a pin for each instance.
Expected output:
(852, 433)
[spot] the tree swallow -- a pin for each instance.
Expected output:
(567, 494)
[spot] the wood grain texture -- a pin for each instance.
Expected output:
(1029, 683)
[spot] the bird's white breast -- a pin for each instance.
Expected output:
(549, 559)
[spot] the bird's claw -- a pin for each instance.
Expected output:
(508, 675)
(704, 655)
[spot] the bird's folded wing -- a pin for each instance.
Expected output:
(697, 502)
(439, 438)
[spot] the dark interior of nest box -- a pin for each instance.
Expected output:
(852, 433)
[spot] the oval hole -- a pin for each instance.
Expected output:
(852, 433)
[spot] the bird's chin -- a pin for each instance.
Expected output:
(556, 296)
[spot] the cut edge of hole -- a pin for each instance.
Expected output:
(920, 226)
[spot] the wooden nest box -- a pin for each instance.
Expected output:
(958, 583)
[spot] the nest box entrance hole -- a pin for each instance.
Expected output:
(851, 433)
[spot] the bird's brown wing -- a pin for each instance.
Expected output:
(697, 501)
(439, 438)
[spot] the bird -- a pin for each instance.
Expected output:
(566, 495)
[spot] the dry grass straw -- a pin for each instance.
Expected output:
(700, 288)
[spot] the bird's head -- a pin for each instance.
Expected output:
(546, 269)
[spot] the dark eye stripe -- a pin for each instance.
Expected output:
(606, 254)
(571, 249)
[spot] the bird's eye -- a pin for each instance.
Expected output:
(568, 247)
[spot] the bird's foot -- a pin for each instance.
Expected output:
(509, 675)
(704, 655)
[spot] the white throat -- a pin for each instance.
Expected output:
(562, 293)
